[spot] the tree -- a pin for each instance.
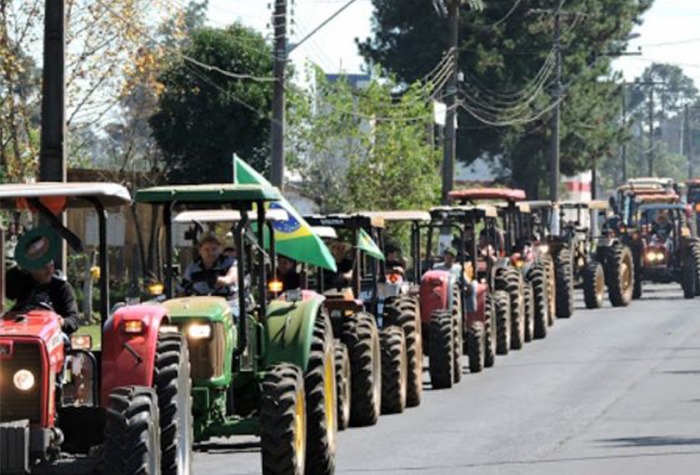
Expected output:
(361, 148)
(506, 58)
(205, 115)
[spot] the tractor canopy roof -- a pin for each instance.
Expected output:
(227, 216)
(325, 232)
(540, 204)
(398, 216)
(657, 198)
(463, 213)
(481, 194)
(662, 207)
(661, 181)
(60, 196)
(641, 188)
(348, 221)
(523, 207)
(216, 193)
(593, 204)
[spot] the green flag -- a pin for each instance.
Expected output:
(367, 244)
(294, 237)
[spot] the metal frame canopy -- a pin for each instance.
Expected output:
(540, 204)
(661, 207)
(478, 194)
(657, 198)
(218, 193)
(398, 216)
(456, 212)
(226, 216)
(593, 204)
(349, 221)
(77, 195)
(645, 181)
(325, 232)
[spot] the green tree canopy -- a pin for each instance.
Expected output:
(205, 115)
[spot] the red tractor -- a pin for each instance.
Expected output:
(129, 402)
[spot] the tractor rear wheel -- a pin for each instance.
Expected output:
(361, 336)
(394, 370)
(321, 400)
(550, 278)
(510, 281)
(689, 280)
(489, 333)
(529, 306)
(501, 302)
(565, 283)
(620, 275)
(458, 329)
(405, 313)
(441, 363)
(343, 390)
(173, 385)
(132, 432)
(695, 253)
(283, 421)
(593, 284)
(538, 278)
(476, 347)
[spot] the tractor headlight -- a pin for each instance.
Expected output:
(544, 249)
(24, 380)
(198, 331)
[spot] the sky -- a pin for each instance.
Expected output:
(333, 48)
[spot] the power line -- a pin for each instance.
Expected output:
(323, 23)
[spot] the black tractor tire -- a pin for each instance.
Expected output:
(173, 385)
(132, 433)
(361, 336)
(547, 263)
(537, 276)
(593, 284)
(620, 275)
(695, 253)
(321, 400)
(458, 329)
(529, 306)
(510, 281)
(283, 421)
(476, 344)
(501, 301)
(563, 271)
(394, 370)
(343, 388)
(489, 333)
(405, 313)
(441, 363)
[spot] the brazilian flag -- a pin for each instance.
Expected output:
(294, 237)
(367, 244)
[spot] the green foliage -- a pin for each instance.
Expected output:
(365, 148)
(502, 52)
(204, 116)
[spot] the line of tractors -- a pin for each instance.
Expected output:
(295, 366)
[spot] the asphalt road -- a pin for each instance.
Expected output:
(611, 391)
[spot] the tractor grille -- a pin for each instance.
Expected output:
(16, 404)
(207, 356)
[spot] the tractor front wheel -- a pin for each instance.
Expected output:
(394, 370)
(538, 278)
(283, 421)
(404, 313)
(593, 284)
(171, 376)
(565, 284)
(502, 306)
(361, 336)
(132, 432)
(321, 401)
(529, 305)
(441, 364)
(476, 347)
(343, 390)
(620, 275)
(489, 333)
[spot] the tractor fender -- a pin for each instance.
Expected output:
(479, 315)
(435, 293)
(128, 358)
(289, 332)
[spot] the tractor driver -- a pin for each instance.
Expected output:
(450, 265)
(344, 262)
(211, 261)
(34, 281)
(662, 227)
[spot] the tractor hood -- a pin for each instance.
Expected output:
(210, 308)
(41, 324)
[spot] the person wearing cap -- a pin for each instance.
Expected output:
(210, 261)
(34, 283)
(287, 272)
(449, 263)
(662, 227)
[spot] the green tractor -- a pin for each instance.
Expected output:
(260, 366)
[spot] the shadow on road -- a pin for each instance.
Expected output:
(682, 371)
(651, 441)
(228, 448)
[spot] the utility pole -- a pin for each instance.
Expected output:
(556, 116)
(450, 100)
(624, 125)
(651, 131)
(279, 18)
(52, 164)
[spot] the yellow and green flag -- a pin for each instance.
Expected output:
(294, 237)
(367, 244)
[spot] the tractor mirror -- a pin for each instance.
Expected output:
(79, 387)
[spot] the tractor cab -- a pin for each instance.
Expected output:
(250, 350)
(61, 394)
